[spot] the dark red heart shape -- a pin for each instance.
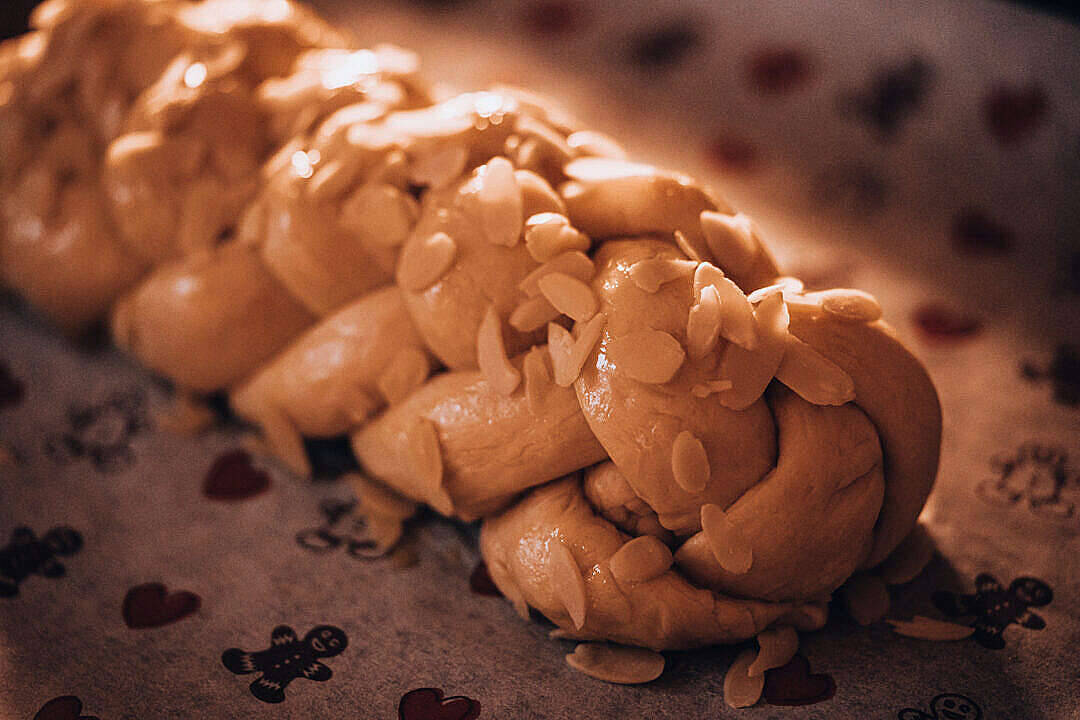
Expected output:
(12, 389)
(66, 707)
(975, 233)
(793, 684)
(429, 704)
(233, 477)
(151, 605)
(480, 581)
(942, 323)
(778, 70)
(1012, 112)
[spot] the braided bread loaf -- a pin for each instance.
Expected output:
(671, 444)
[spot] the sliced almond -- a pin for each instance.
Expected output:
(533, 314)
(424, 260)
(687, 247)
(850, 305)
(550, 234)
(596, 144)
(651, 274)
(440, 167)
(750, 371)
(648, 356)
(866, 598)
(332, 180)
(736, 313)
(707, 388)
(567, 582)
(704, 323)
(491, 355)
(926, 628)
(616, 664)
(909, 558)
(501, 204)
(741, 689)
(537, 194)
(404, 373)
(813, 376)
(538, 380)
(378, 498)
(690, 463)
(731, 239)
(596, 169)
(777, 647)
(809, 617)
(574, 263)
(569, 296)
(425, 463)
(728, 543)
(564, 634)
(640, 560)
(568, 355)
(379, 213)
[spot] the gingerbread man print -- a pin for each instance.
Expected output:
(287, 659)
(995, 608)
(948, 706)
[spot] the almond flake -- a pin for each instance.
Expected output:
(491, 355)
(379, 499)
(596, 144)
(729, 545)
(926, 628)
(533, 314)
(687, 248)
(537, 194)
(704, 323)
(690, 463)
(332, 180)
(381, 214)
(909, 558)
(538, 381)
(736, 313)
(813, 376)
(568, 355)
(809, 617)
(778, 646)
(425, 463)
(595, 169)
(567, 582)
(866, 598)
(731, 240)
(750, 371)
(501, 205)
(424, 260)
(640, 560)
(741, 689)
(564, 634)
(648, 356)
(651, 274)
(574, 263)
(440, 168)
(569, 296)
(616, 664)
(850, 305)
(405, 372)
(707, 388)
(549, 234)
(761, 293)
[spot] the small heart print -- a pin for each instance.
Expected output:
(779, 70)
(429, 704)
(151, 606)
(66, 707)
(941, 323)
(975, 233)
(793, 684)
(234, 477)
(12, 389)
(1013, 112)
